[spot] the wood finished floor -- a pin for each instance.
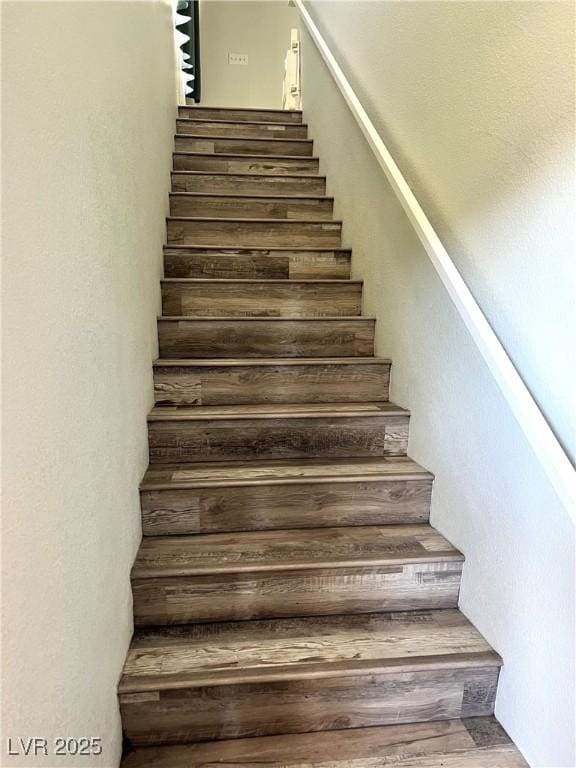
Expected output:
(293, 606)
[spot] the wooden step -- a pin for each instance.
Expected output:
(255, 164)
(248, 183)
(476, 742)
(267, 495)
(185, 337)
(271, 495)
(242, 145)
(261, 298)
(292, 675)
(241, 114)
(246, 432)
(250, 206)
(269, 380)
(212, 261)
(202, 127)
(273, 574)
(247, 233)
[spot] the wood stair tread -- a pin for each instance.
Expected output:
(245, 196)
(242, 156)
(244, 122)
(202, 109)
(261, 651)
(208, 137)
(262, 472)
(261, 297)
(242, 361)
(281, 550)
(199, 433)
(243, 144)
(247, 318)
(478, 742)
(275, 411)
(198, 381)
(228, 204)
(256, 248)
(247, 232)
(280, 262)
(272, 336)
(217, 220)
(259, 281)
(261, 176)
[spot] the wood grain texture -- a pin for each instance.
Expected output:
(183, 579)
(271, 337)
(303, 705)
(237, 596)
(281, 514)
(238, 433)
(202, 127)
(281, 506)
(256, 263)
(265, 495)
(317, 673)
(283, 473)
(243, 145)
(246, 233)
(313, 648)
(470, 743)
(255, 207)
(247, 183)
(261, 298)
(271, 381)
(241, 114)
(297, 550)
(255, 164)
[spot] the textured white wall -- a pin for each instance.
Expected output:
(490, 496)
(88, 118)
(476, 102)
(259, 28)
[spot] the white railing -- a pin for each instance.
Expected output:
(543, 442)
(291, 93)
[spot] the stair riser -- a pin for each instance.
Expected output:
(243, 385)
(239, 208)
(322, 591)
(248, 185)
(255, 265)
(251, 115)
(269, 131)
(472, 743)
(283, 506)
(173, 442)
(288, 299)
(203, 713)
(265, 338)
(246, 234)
(243, 146)
(300, 166)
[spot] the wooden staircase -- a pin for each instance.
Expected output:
(292, 604)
